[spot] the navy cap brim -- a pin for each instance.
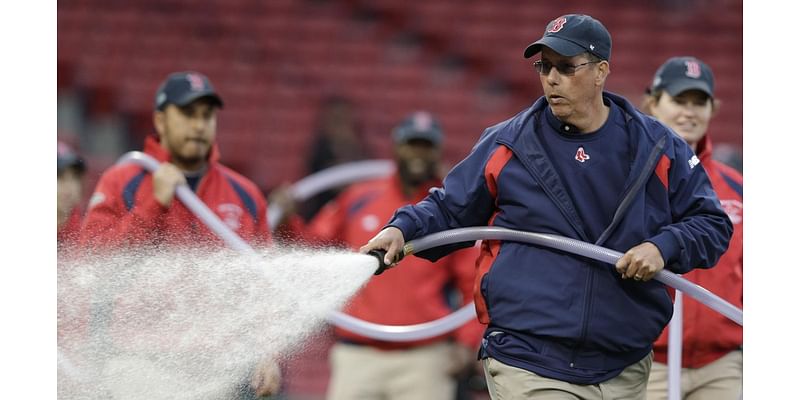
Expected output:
(560, 46)
(677, 87)
(192, 96)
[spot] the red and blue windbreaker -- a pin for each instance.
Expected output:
(556, 314)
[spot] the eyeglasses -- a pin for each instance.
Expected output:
(544, 67)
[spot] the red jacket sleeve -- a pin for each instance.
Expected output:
(108, 224)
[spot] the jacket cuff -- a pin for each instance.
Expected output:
(407, 226)
(668, 246)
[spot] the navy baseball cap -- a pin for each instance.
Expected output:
(574, 34)
(182, 88)
(68, 158)
(419, 125)
(679, 74)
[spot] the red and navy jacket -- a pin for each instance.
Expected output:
(707, 334)
(413, 294)
(123, 212)
(560, 315)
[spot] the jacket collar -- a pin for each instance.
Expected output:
(520, 123)
(704, 149)
(521, 136)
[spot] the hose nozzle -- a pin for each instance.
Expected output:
(381, 255)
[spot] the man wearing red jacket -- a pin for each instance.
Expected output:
(364, 368)
(131, 208)
(682, 97)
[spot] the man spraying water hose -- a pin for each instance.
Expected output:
(581, 163)
(131, 208)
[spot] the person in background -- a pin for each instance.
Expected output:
(71, 169)
(682, 97)
(585, 164)
(131, 208)
(365, 368)
(338, 139)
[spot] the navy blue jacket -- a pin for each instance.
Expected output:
(560, 315)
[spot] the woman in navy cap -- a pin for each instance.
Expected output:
(682, 97)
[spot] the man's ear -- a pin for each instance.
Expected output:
(603, 69)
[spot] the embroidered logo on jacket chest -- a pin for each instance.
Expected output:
(581, 155)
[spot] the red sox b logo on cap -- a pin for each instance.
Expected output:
(195, 81)
(692, 69)
(557, 24)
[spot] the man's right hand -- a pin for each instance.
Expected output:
(390, 239)
(165, 180)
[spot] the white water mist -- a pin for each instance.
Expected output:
(191, 324)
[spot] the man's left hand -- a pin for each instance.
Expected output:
(641, 262)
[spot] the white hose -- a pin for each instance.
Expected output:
(192, 202)
(331, 178)
(675, 349)
(576, 247)
(407, 333)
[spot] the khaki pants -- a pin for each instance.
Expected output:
(720, 380)
(362, 372)
(506, 382)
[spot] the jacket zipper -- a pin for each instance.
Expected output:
(650, 165)
(618, 214)
(588, 290)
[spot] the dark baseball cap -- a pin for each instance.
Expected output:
(679, 74)
(419, 125)
(182, 88)
(68, 158)
(573, 34)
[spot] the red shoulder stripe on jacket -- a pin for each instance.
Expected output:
(662, 171)
(496, 162)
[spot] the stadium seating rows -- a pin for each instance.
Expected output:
(272, 61)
